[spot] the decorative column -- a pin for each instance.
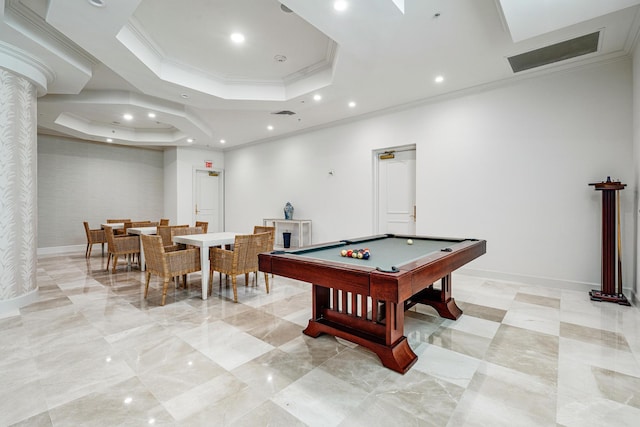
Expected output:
(18, 190)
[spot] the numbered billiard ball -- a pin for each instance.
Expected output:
(349, 252)
(354, 254)
(360, 255)
(365, 255)
(409, 242)
(343, 252)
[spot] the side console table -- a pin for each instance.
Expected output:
(300, 230)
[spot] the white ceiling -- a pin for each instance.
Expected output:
(174, 58)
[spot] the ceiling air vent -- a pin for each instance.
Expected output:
(556, 52)
(284, 113)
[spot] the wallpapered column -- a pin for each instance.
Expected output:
(18, 191)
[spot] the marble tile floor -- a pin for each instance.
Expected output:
(93, 352)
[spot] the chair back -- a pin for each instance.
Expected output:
(108, 232)
(164, 231)
(164, 221)
(111, 221)
(204, 225)
(153, 253)
(246, 249)
(266, 229)
(86, 230)
(183, 231)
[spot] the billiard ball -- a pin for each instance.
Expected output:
(349, 253)
(354, 254)
(409, 242)
(343, 252)
(360, 255)
(365, 255)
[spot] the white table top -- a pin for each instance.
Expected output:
(207, 239)
(142, 230)
(114, 225)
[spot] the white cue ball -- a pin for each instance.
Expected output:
(409, 242)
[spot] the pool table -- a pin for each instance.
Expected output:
(363, 300)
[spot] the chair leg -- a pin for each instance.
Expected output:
(246, 279)
(164, 289)
(146, 286)
(87, 252)
(115, 262)
(235, 288)
(266, 281)
(108, 260)
(102, 244)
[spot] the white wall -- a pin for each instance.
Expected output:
(83, 181)
(510, 165)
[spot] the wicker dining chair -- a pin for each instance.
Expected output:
(270, 245)
(93, 236)
(183, 231)
(128, 246)
(167, 265)
(164, 221)
(204, 225)
(243, 259)
(164, 231)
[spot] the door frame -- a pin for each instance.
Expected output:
(221, 197)
(376, 175)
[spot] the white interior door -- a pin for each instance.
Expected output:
(397, 192)
(208, 199)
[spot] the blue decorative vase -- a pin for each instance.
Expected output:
(288, 211)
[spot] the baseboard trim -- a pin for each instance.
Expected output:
(57, 250)
(11, 307)
(547, 282)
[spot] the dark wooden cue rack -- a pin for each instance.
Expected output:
(608, 291)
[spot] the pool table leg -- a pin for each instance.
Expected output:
(439, 299)
(385, 339)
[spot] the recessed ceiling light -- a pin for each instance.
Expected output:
(237, 38)
(269, 127)
(127, 117)
(96, 3)
(152, 115)
(222, 141)
(317, 97)
(190, 140)
(109, 140)
(340, 5)
(280, 58)
(439, 79)
(352, 104)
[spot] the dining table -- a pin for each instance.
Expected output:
(139, 231)
(114, 225)
(204, 242)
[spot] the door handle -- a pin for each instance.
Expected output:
(197, 211)
(414, 213)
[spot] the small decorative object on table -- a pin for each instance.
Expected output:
(288, 211)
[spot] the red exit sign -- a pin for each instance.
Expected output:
(208, 164)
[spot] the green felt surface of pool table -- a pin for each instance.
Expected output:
(385, 252)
